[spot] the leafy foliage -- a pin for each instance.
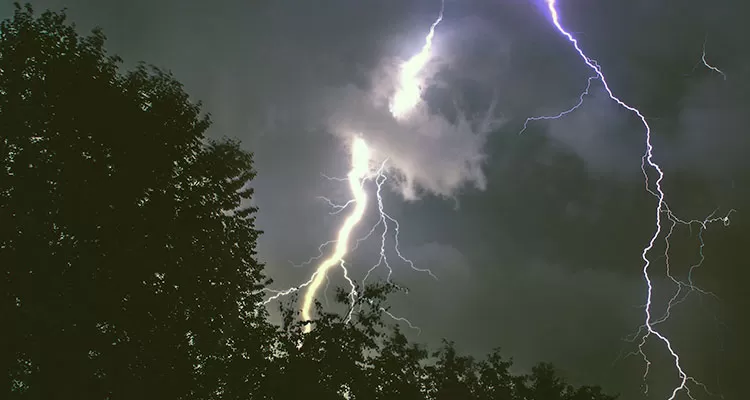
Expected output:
(128, 261)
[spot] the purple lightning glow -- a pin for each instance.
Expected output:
(647, 161)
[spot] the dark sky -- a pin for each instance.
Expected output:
(537, 244)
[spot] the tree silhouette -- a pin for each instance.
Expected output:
(129, 262)
(369, 359)
(399, 369)
(127, 253)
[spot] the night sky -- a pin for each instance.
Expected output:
(536, 238)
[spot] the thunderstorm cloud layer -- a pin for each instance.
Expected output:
(428, 150)
(544, 261)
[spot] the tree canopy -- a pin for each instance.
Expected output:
(127, 252)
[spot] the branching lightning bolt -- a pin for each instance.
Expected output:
(356, 178)
(409, 90)
(405, 99)
(337, 208)
(647, 161)
(407, 96)
(562, 113)
(384, 220)
(683, 289)
(359, 174)
(688, 286)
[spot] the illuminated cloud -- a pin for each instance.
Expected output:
(428, 153)
(409, 88)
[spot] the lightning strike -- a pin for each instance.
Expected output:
(409, 91)
(647, 162)
(313, 258)
(407, 96)
(689, 286)
(337, 208)
(352, 292)
(357, 175)
(709, 66)
(402, 319)
(384, 219)
(562, 113)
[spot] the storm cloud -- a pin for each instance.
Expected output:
(543, 255)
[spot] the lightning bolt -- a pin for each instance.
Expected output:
(359, 172)
(707, 65)
(647, 162)
(688, 286)
(405, 99)
(562, 113)
(384, 220)
(358, 175)
(409, 90)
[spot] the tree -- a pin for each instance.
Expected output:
(399, 369)
(361, 355)
(494, 379)
(128, 256)
(452, 376)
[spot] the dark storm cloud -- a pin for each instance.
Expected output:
(599, 133)
(712, 126)
(546, 261)
(695, 114)
(536, 312)
(707, 135)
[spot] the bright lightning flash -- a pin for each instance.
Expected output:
(407, 96)
(647, 162)
(358, 173)
(409, 91)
